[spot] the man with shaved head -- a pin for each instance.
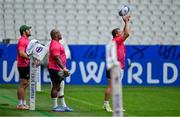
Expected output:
(57, 70)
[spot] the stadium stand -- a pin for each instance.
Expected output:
(91, 21)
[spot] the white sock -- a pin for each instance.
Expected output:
(106, 102)
(63, 102)
(55, 104)
(20, 102)
(24, 102)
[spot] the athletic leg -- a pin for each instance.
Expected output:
(61, 97)
(107, 97)
(21, 93)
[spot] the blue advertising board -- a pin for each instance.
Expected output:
(153, 65)
(146, 65)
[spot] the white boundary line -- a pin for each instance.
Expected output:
(84, 102)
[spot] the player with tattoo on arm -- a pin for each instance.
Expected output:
(57, 70)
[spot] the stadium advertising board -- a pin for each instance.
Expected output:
(155, 65)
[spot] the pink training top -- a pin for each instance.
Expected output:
(22, 45)
(56, 49)
(121, 50)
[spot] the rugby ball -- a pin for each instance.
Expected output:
(124, 10)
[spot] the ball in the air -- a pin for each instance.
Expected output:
(124, 10)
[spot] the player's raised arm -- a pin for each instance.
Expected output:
(126, 29)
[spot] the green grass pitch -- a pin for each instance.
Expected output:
(88, 101)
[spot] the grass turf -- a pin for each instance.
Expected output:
(88, 101)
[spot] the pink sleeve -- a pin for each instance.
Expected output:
(22, 46)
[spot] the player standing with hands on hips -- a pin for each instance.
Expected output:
(23, 64)
(57, 70)
(119, 36)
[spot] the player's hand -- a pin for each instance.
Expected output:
(126, 18)
(36, 63)
(66, 72)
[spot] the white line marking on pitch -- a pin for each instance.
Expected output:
(83, 102)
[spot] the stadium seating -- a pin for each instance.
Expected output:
(91, 21)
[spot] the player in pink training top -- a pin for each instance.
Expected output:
(119, 37)
(23, 64)
(57, 70)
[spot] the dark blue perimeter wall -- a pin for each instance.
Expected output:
(146, 65)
